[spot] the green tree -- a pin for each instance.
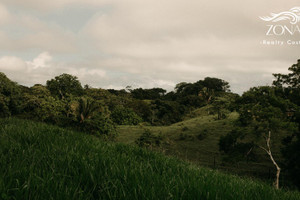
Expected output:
(125, 116)
(4, 106)
(234, 149)
(220, 106)
(10, 96)
(149, 140)
(86, 109)
(290, 80)
(99, 124)
(154, 93)
(288, 85)
(50, 110)
(64, 84)
(166, 112)
(216, 84)
(263, 114)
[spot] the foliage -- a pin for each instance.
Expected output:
(148, 139)
(125, 116)
(98, 94)
(292, 159)
(264, 114)
(4, 106)
(141, 108)
(99, 124)
(211, 84)
(234, 149)
(154, 93)
(216, 84)
(64, 84)
(290, 80)
(50, 110)
(202, 135)
(220, 106)
(289, 87)
(10, 97)
(191, 101)
(86, 109)
(166, 112)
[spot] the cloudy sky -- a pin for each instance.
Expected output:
(143, 43)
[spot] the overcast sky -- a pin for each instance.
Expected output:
(144, 43)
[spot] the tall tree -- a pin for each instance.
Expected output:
(10, 96)
(263, 114)
(290, 83)
(64, 84)
(289, 86)
(216, 84)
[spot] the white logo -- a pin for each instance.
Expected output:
(293, 15)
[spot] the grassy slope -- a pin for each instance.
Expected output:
(38, 161)
(182, 141)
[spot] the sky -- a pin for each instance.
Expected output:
(157, 43)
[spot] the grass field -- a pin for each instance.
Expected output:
(39, 161)
(196, 139)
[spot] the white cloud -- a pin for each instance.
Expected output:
(41, 61)
(43, 67)
(12, 64)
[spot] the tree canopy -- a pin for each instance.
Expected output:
(64, 84)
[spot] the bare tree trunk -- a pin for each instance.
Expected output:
(269, 152)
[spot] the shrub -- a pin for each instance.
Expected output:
(4, 110)
(202, 136)
(183, 136)
(99, 125)
(125, 116)
(149, 140)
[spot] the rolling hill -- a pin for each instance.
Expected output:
(196, 140)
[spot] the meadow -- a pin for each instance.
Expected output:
(40, 161)
(196, 140)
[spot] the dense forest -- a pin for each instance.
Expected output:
(262, 111)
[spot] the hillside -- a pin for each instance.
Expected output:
(40, 161)
(196, 139)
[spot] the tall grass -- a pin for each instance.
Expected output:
(38, 161)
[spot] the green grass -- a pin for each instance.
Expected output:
(181, 140)
(39, 161)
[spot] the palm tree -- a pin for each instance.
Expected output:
(86, 108)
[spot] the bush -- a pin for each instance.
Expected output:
(99, 125)
(4, 110)
(183, 136)
(202, 136)
(125, 116)
(10, 97)
(149, 140)
(185, 128)
(50, 110)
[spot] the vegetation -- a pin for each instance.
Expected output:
(288, 85)
(201, 122)
(40, 161)
(262, 114)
